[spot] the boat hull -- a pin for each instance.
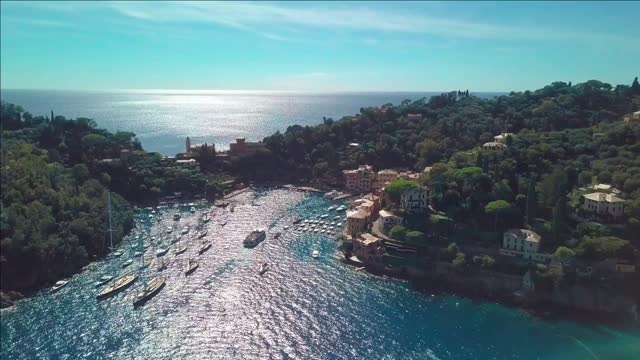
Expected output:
(149, 292)
(119, 285)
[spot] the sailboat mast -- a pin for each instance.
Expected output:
(110, 228)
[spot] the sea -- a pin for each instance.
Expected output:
(301, 308)
(162, 119)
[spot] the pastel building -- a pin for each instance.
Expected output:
(385, 177)
(359, 180)
(368, 248)
(604, 204)
(523, 243)
(356, 222)
(244, 147)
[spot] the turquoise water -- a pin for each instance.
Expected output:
(302, 308)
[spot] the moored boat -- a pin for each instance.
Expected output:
(162, 251)
(149, 290)
(59, 285)
(103, 280)
(254, 238)
(205, 246)
(315, 254)
(263, 268)
(117, 285)
(192, 266)
(127, 263)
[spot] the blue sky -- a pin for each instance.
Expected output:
(316, 46)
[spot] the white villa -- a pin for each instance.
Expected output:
(493, 146)
(602, 203)
(389, 220)
(523, 243)
(502, 137)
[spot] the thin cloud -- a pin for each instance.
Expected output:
(278, 21)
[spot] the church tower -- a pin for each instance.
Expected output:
(188, 144)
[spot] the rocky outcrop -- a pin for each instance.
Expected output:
(7, 299)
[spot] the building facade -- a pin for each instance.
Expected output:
(356, 222)
(523, 243)
(389, 220)
(415, 200)
(602, 203)
(493, 146)
(359, 180)
(368, 248)
(244, 147)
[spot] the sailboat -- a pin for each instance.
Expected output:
(162, 250)
(144, 264)
(181, 247)
(149, 289)
(192, 265)
(121, 282)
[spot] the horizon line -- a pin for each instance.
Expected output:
(245, 91)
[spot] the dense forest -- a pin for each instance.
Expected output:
(56, 173)
(566, 137)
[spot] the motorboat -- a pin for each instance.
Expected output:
(315, 254)
(203, 233)
(162, 251)
(185, 230)
(118, 253)
(206, 218)
(59, 285)
(254, 238)
(192, 210)
(169, 230)
(127, 263)
(137, 254)
(297, 221)
(103, 280)
(176, 217)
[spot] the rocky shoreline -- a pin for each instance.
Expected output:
(544, 306)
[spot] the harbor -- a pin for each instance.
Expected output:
(305, 302)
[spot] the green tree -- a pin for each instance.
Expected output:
(398, 232)
(532, 201)
(414, 236)
(498, 209)
(564, 254)
(395, 189)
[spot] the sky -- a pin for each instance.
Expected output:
(316, 46)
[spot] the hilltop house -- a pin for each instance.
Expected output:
(368, 248)
(244, 147)
(389, 220)
(502, 137)
(523, 243)
(359, 180)
(602, 203)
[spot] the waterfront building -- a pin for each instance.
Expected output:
(357, 221)
(493, 146)
(602, 203)
(187, 162)
(502, 137)
(368, 248)
(523, 243)
(359, 180)
(389, 220)
(415, 200)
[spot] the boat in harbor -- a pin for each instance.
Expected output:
(206, 218)
(127, 263)
(185, 230)
(315, 254)
(149, 290)
(254, 238)
(297, 221)
(169, 229)
(117, 285)
(59, 285)
(180, 249)
(176, 217)
(176, 238)
(277, 235)
(203, 233)
(162, 251)
(192, 210)
(118, 253)
(263, 268)
(192, 266)
(205, 246)
(223, 223)
(161, 265)
(103, 280)
(137, 254)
